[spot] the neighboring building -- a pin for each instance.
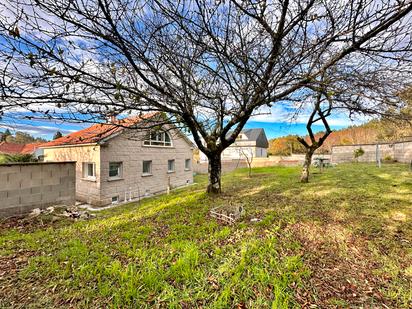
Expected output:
(115, 163)
(13, 148)
(250, 142)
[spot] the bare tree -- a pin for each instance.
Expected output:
(318, 114)
(247, 153)
(373, 92)
(209, 65)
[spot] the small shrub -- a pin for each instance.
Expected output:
(10, 158)
(358, 153)
(387, 158)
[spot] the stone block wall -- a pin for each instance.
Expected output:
(25, 186)
(131, 152)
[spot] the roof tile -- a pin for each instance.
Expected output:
(13, 148)
(97, 132)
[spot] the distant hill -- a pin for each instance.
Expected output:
(370, 132)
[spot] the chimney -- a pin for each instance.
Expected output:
(111, 118)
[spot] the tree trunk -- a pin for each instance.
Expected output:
(306, 166)
(215, 173)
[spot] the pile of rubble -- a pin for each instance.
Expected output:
(72, 212)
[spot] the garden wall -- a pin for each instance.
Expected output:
(399, 151)
(25, 186)
(227, 166)
(230, 165)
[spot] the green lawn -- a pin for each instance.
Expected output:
(343, 240)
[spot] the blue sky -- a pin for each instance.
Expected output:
(276, 129)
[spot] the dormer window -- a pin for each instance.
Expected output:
(158, 138)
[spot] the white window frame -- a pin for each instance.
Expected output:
(115, 199)
(150, 173)
(85, 170)
(173, 161)
(187, 166)
(120, 170)
(158, 139)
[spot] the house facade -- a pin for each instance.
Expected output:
(115, 164)
(250, 143)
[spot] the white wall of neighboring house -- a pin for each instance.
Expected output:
(261, 152)
(243, 145)
(234, 152)
(202, 157)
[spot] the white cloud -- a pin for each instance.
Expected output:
(33, 129)
(279, 113)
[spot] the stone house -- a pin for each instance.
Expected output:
(116, 163)
(250, 142)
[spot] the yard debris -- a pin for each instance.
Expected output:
(37, 211)
(345, 275)
(227, 214)
(213, 282)
(74, 213)
(255, 220)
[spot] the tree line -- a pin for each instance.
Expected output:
(371, 132)
(20, 137)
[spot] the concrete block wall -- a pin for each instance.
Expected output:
(87, 190)
(403, 152)
(25, 186)
(399, 151)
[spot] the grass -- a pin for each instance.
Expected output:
(343, 240)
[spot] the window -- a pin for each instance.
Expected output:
(170, 166)
(115, 169)
(147, 167)
(89, 170)
(187, 164)
(115, 199)
(158, 138)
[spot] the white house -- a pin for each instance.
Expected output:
(250, 142)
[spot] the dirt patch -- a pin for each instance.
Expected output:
(341, 268)
(25, 224)
(10, 265)
(44, 218)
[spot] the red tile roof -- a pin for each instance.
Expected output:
(97, 132)
(12, 148)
